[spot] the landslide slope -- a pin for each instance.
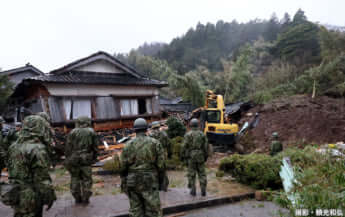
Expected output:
(299, 120)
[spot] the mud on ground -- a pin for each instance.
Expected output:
(110, 184)
(299, 120)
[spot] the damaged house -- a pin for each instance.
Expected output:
(18, 74)
(99, 86)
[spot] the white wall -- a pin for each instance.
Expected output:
(99, 66)
(100, 90)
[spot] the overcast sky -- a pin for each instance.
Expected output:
(49, 34)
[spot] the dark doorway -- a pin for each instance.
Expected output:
(142, 106)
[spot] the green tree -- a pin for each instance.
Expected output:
(272, 28)
(299, 44)
(189, 88)
(299, 17)
(332, 44)
(175, 128)
(240, 77)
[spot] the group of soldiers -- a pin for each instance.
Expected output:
(143, 164)
(28, 155)
(28, 152)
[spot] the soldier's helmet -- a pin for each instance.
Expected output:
(44, 115)
(140, 124)
(83, 122)
(33, 126)
(194, 123)
(275, 135)
(2, 120)
(155, 125)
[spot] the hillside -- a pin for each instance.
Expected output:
(299, 120)
(259, 60)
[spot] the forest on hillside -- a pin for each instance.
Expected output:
(259, 60)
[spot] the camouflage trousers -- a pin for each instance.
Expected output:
(81, 183)
(144, 204)
(2, 166)
(195, 169)
(29, 204)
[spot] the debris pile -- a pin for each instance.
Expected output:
(299, 120)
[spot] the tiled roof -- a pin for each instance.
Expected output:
(96, 78)
(21, 69)
(96, 56)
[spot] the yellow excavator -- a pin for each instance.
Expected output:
(217, 127)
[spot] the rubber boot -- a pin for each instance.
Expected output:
(193, 191)
(203, 191)
(85, 201)
(78, 200)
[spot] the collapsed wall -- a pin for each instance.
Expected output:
(299, 120)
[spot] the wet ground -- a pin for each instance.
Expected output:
(110, 184)
(115, 205)
(107, 199)
(241, 209)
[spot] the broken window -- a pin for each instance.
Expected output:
(106, 108)
(67, 105)
(125, 107)
(149, 106)
(81, 107)
(129, 107)
(55, 110)
(75, 108)
(142, 106)
(36, 106)
(134, 106)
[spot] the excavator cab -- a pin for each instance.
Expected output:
(213, 121)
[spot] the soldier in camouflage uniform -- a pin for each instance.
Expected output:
(276, 145)
(28, 167)
(195, 153)
(13, 134)
(142, 161)
(81, 152)
(162, 137)
(164, 140)
(51, 147)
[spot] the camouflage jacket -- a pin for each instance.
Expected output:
(12, 137)
(3, 152)
(142, 160)
(276, 147)
(163, 138)
(195, 147)
(81, 147)
(28, 167)
(6, 140)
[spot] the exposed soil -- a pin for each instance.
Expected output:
(299, 120)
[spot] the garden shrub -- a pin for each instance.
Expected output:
(257, 170)
(320, 181)
(175, 163)
(175, 128)
(113, 164)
